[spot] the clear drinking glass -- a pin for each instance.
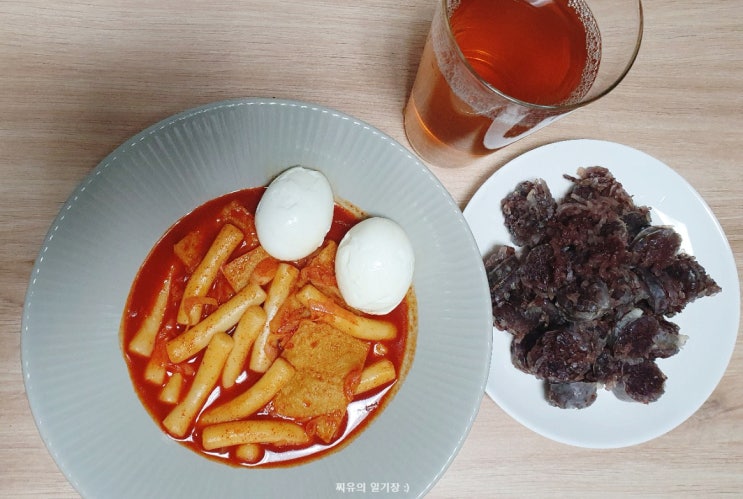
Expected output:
(494, 71)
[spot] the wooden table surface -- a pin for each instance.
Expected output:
(77, 78)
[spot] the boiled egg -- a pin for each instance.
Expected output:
(295, 213)
(374, 265)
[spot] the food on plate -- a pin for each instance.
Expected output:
(254, 359)
(294, 214)
(588, 294)
(374, 265)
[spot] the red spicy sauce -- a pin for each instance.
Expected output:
(207, 220)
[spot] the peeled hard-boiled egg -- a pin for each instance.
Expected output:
(374, 265)
(295, 213)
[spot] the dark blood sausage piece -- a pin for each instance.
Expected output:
(655, 246)
(607, 370)
(654, 293)
(667, 341)
(543, 313)
(681, 282)
(537, 269)
(563, 355)
(642, 382)
(520, 347)
(526, 211)
(584, 301)
(635, 339)
(507, 293)
(646, 337)
(627, 290)
(635, 221)
(596, 183)
(509, 317)
(575, 395)
(694, 281)
(503, 273)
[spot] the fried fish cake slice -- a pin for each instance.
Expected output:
(328, 364)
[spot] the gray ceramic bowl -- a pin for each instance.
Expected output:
(77, 383)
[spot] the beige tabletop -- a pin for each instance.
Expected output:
(77, 78)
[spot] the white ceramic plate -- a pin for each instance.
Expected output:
(77, 383)
(711, 323)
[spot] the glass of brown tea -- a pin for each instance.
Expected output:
(494, 71)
